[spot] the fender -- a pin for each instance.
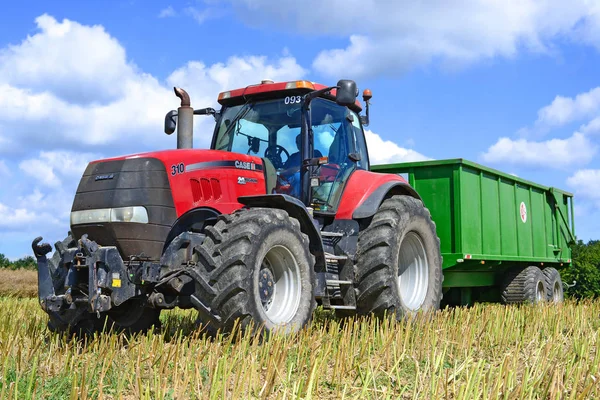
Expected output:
(296, 209)
(365, 191)
(196, 219)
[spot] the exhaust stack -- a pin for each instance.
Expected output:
(185, 121)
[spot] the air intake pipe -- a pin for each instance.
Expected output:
(185, 120)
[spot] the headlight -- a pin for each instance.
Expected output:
(137, 214)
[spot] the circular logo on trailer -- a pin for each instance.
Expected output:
(523, 212)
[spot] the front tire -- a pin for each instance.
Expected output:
(399, 268)
(259, 267)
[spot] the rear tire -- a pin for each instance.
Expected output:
(259, 270)
(554, 286)
(525, 286)
(399, 268)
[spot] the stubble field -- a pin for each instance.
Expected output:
(487, 351)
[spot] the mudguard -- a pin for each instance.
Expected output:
(365, 191)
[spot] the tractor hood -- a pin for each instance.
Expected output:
(133, 202)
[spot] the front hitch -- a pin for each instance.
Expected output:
(84, 275)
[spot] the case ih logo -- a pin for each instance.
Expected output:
(245, 165)
(104, 177)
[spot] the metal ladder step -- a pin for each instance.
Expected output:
(335, 307)
(337, 282)
(332, 257)
(332, 234)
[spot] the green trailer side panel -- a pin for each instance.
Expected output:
(508, 225)
(435, 181)
(492, 239)
(486, 216)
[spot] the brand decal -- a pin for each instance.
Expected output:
(245, 165)
(523, 212)
(104, 177)
(243, 180)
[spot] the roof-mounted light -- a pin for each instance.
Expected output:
(224, 95)
(299, 85)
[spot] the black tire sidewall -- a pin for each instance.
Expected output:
(419, 224)
(416, 219)
(286, 236)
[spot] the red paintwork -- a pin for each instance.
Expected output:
(228, 177)
(277, 87)
(359, 187)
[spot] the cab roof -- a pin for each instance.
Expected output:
(269, 89)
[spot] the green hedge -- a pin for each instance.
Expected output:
(22, 263)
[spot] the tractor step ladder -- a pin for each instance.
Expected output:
(333, 283)
(332, 234)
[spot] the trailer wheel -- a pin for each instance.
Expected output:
(399, 268)
(554, 286)
(524, 286)
(258, 269)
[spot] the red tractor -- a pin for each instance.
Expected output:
(281, 214)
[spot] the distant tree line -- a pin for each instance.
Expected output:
(585, 271)
(22, 263)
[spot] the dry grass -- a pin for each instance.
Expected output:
(19, 283)
(488, 351)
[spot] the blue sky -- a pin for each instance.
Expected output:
(510, 84)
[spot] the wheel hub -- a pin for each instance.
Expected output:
(266, 285)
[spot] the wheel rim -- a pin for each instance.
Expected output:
(556, 293)
(540, 292)
(414, 281)
(279, 285)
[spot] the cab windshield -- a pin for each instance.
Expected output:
(271, 129)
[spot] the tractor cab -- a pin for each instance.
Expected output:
(309, 136)
(270, 127)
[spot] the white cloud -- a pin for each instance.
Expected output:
(51, 165)
(15, 217)
(554, 153)
(236, 72)
(390, 37)
(33, 107)
(592, 127)
(58, 59)
(586, 182)
(167, 12)
(385, 152)
(564, 110)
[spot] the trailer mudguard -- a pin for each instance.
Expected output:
(296, 209)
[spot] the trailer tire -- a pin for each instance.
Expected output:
(257, 270)
(526, 285)
(401, 235)
(554, 286)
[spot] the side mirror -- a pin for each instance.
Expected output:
(205, 111)
(170, 122)
(346, 92)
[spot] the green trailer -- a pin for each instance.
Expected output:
(497, 231)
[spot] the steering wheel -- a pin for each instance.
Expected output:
(273, 153)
